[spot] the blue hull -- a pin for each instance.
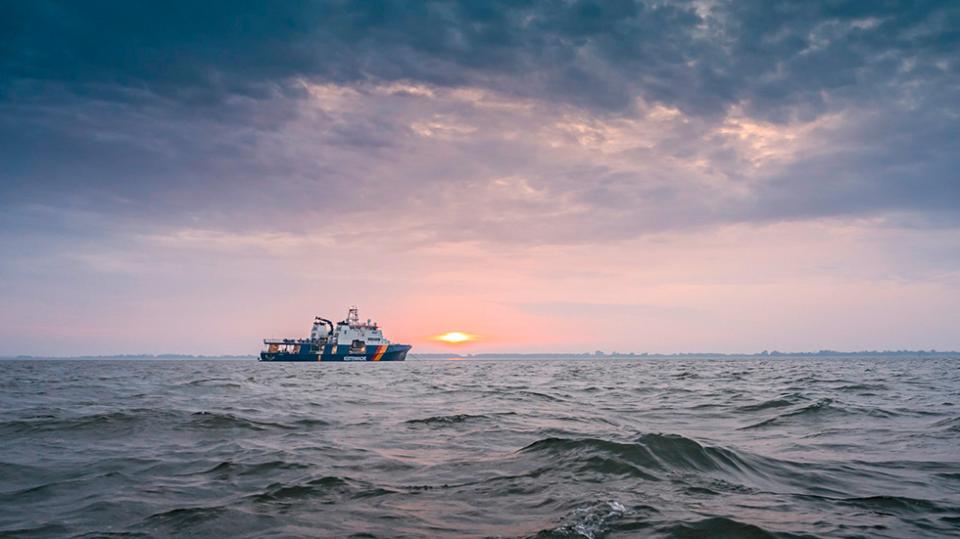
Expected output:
(393, 352)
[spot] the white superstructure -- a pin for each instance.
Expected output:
(351, 331)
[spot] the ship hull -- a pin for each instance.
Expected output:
(342, 353)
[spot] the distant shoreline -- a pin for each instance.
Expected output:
(823, 354)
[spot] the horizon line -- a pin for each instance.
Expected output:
(531, 355)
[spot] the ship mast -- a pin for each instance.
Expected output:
(353, 318)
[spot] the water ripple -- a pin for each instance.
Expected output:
(586, 449)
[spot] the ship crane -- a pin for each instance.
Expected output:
(318, 322)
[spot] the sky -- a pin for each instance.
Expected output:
(556, 176)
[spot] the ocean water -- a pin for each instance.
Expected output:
(587, 448)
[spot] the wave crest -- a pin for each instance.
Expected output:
(723, 527)
(645, 457)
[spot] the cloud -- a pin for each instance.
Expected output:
(700, 57)
(505, 122)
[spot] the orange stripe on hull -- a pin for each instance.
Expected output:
(382, 349)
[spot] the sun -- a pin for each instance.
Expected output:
(455, 337)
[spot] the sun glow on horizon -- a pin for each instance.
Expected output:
(455, 337)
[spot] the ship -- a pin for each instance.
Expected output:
(348, 340)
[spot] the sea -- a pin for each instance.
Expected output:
(585, 448)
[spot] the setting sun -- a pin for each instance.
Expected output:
(455, 337)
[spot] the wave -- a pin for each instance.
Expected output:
(818, 409)
(671, 459)
(321, 487)
(107, 534)
(863, 387)
(215, 382)
(588, 522)
(215, 420)
(184, 518)
(950, 424)
(538, 395)
(228, 468)
(48, 422)
(821, 409)
(146, 416)
(648, 456)
(723, 527)
(950, 476)
(780, 402)
(11, 469)
(445, 419)
(895, 503)
(43, 530)
(455, 418)
(278, 492)
(706, 406)
(308, 422)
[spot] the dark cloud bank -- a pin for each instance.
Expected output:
(161, 110)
